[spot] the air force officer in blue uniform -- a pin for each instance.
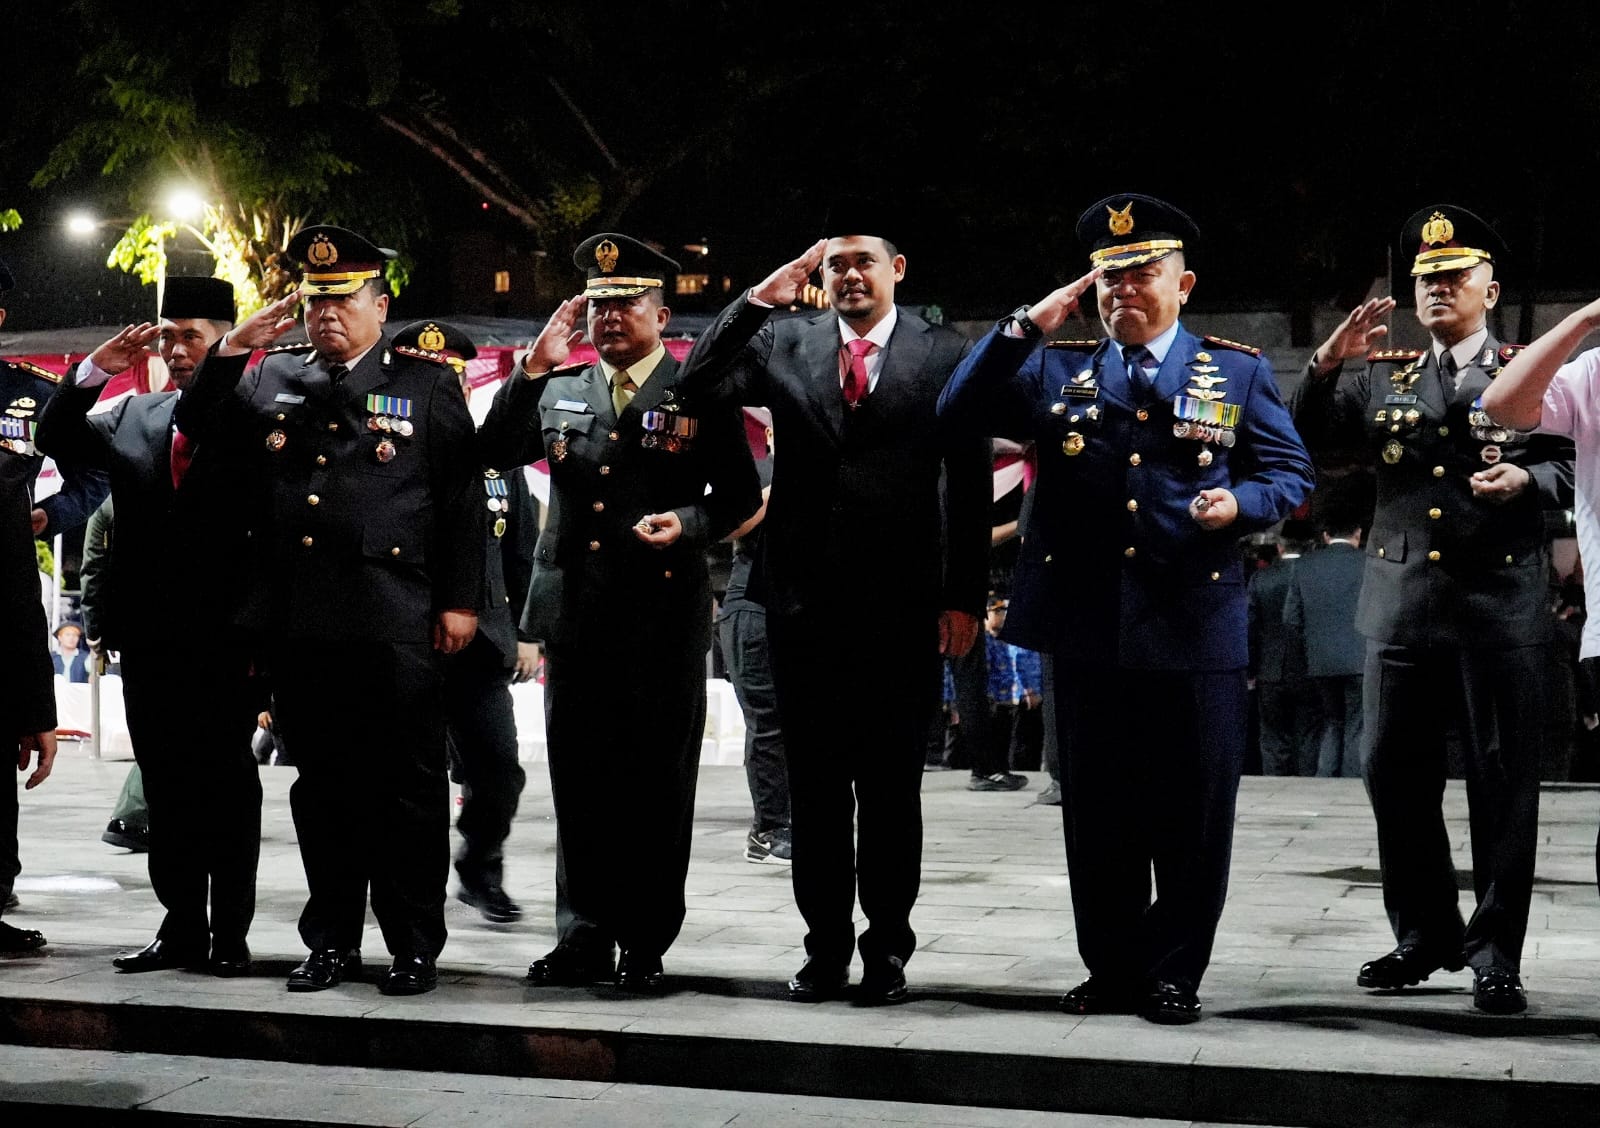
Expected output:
(1158, 450)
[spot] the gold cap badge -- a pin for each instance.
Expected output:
(322, 252)
(1438, 230)
(606, 255)
(1121, 222)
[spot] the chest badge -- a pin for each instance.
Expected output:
(558, 450)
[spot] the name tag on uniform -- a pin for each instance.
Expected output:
(1400, 399)
(288, 397)
(571, 405)
(1086, 391)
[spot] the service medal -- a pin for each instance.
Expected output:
(558, 450)
(1490, 454)
(499, 527)
(1392, 452)
(1413, 415)
(404, 427)
(386, 451)
(276, 440)
(1072, 445)
(372, 423)
(1204, 457)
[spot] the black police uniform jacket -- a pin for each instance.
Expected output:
(24, 390)
(1113, 569)
(167, 539)
(27, 679)
(1442, 566)
(510, 534)
(351, 539)
(605, 473)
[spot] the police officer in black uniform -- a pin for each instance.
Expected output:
(621, 599)
(367, 564)
(477, 694)
(1452, 604)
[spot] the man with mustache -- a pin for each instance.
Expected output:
(190, 721)
(1452, 604)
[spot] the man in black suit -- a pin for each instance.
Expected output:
(1286, 703)
(1321, 609)
(190, 722)
(357, 469)
(621, 599)
(875, 500)
(1453, 604)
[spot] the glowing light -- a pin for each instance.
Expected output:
(185, 204)
(81, 225)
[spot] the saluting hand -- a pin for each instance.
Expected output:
(261, 328)
(123, 351)
(557, 339)
(783, 285)
(1050, 312)
(1355, 335)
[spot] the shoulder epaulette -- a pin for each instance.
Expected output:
(303, 347)
(1398, 355)
(1072, 344)
(1509, 351)
(421, 354)
(1223, 342)
(34, 370)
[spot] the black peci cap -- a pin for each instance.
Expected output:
(187, 297)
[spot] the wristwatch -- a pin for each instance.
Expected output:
(1025, 326)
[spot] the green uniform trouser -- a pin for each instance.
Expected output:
(130, 807)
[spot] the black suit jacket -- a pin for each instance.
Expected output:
(27, 686)
(1277, 648)
(882, 504)
(172, 550)
(590, 572)
(346, 545)
(1321, 606)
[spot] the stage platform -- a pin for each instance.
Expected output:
(1287, 1039)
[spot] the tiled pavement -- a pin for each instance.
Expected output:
(1287, 1039)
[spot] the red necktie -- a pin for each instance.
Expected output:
(182, 455)
(855, 376)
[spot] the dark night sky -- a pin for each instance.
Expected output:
(1299, 150)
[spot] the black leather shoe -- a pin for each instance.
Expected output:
(1406, 966)
(161, 955)
(14, 940)
(410, 975)
(1101, 995)
(324, 968)
(1498, 991)
(229, 961)
(490, 900)
(1169, 1004)
(817, 980)
(120, 832)
(639, 972)
(882, 981)
(568, 965)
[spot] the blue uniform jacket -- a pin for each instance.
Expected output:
(1112, 566)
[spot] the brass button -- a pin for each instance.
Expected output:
(1133, 506)
(1435, 514)
(1129, 552)
(1394, 428)
(312, 499)
(1058, 409)
(1216, 575)
(1134, 459)
(594, 546)
(667, 575)
(395, 551)
(604, 470)
(1444, 432)
(598, 507)
(1141, 415)
(613, 436)
(333, 426)
(281, 417)
(1048, 558)
(1510, 560)
(1438, 471)
(1381, 554)
(322, 460)
(1434, 556)
(307, 541)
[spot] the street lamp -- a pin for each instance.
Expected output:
(81, 225)
(185, 204)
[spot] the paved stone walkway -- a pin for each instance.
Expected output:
(1287, 1037)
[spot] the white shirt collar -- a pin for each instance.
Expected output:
(879, 334)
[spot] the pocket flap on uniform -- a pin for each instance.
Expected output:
(1388, 545)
